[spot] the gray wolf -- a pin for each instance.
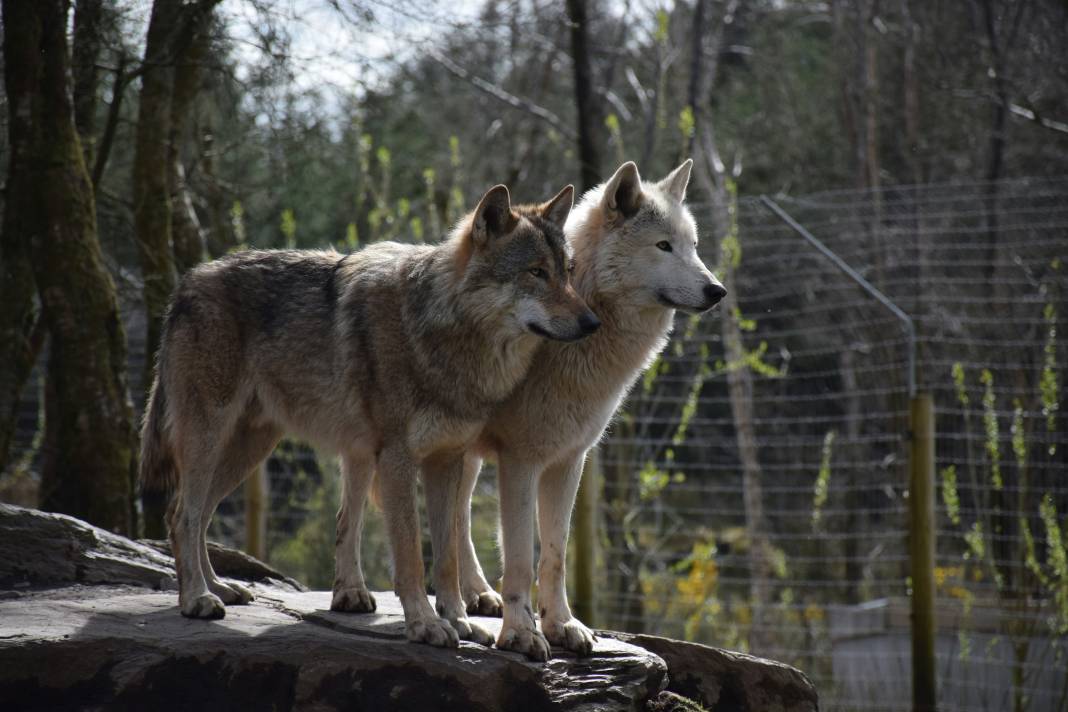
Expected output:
(636, 264)
(392, 357)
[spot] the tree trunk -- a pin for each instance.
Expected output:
(152, 209)
(19, 314)
(624, 610)
(188, 237)
(118, 91)
(852, 500)
(85, 50)
(999, 47)
(695, 91)
(152, 201)
(172, 27)
(710, 173)
(870, 79)
(89, 421)
(220, 235)
(585, 96)
(590, 171)
(911, 82)
(740, 392)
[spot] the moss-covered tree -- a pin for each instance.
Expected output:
(19, 315)
(167, 242)
(187, 233)
(86, 45)
(586, 101)
(151, 194)
(91, 455)
(172, 28)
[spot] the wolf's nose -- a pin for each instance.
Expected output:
(713, 293)
(589, 323)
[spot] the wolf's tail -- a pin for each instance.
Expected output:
(158, 472)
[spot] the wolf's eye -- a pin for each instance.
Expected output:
(571, 266)
(539, 272)
(664, 245)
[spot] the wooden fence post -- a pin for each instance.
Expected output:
(922, 550)
(585, 538)
(256, 513)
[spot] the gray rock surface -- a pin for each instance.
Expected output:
(42, 548)
(89, 620)
(725, 681)
(123, 648)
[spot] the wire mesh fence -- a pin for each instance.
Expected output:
(761, 502)
(804, 557)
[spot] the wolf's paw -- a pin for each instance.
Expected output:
(207, 605)
(570, 634)
(484, 603)
(473, 632)
(353, 600)
(528, 641)
(433, 631)
(232, 594)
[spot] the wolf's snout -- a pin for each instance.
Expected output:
(589, 323)
(713, 294)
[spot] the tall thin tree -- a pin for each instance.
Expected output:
(173, 27)
(50, 208)
(590, 172)
(585, 96)
(85, 51)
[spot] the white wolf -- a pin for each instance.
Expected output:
(636, 262)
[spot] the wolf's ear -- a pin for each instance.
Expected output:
(623, 193)
(493, 216)
(558, 207)
(675, 183)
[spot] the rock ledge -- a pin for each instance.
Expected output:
(89, 620)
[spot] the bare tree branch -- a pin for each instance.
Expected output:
(122, 80)
(501, 95)
(1030, 115)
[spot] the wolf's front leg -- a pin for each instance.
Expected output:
(398, 473)
(556, 499)
(350, 590)
(479, 596)
(519, 631)
(443, 484)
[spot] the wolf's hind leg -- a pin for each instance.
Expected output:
(187, 537)
(443, 483)
(350, 589)
(519, 631)
(232, 593)
(556, 498)
(399, 473)
(478, 595)
(244, 454)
